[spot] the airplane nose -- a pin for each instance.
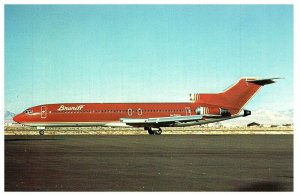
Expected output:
(17, 118)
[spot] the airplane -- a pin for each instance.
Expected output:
(202, 109)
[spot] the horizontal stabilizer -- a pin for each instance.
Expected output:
(263, 82)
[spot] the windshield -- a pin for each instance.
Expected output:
(28, 111)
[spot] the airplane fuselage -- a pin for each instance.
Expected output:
(108, 114)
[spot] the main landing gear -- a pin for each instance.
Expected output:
(153, 131)
(41, 130)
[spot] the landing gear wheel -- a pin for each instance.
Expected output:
(150, 132)
(41, 132)
(154, 131)
(158, 131)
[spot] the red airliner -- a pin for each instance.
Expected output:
(203, 109)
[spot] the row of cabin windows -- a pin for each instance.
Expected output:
(115, 111)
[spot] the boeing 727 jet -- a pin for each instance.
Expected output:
(202, 109)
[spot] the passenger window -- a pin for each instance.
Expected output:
(129, 112)
(140, 111)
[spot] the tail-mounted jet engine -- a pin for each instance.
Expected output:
(224, 112)
(247, 112)
(212, 111)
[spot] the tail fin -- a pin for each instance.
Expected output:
(236, 96)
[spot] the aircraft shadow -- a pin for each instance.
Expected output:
(31, 139)
(264, 186)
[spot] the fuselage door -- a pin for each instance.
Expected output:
(43, 112)
(188, 111)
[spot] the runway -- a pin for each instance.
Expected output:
(149, 163)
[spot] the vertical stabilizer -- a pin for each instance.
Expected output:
(236, 96)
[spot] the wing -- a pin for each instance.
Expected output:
(161, 121)
(179, 121)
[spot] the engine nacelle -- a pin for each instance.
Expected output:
(224, 112)
(201, 110)
(247, 112)
(212, 111)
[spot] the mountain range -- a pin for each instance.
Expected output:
(265, 117)
(8, 116)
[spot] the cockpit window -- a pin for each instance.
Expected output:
(28, 111)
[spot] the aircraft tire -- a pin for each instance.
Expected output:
(157, 132)
(151, 132)
(41, 132)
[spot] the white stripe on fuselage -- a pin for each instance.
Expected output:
(75, 124)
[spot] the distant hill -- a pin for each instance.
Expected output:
(8, 116)
(266, 117)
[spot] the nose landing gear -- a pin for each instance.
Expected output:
(41, 130)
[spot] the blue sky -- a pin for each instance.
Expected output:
(138, 53)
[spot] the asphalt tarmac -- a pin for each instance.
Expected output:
(149, 163)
